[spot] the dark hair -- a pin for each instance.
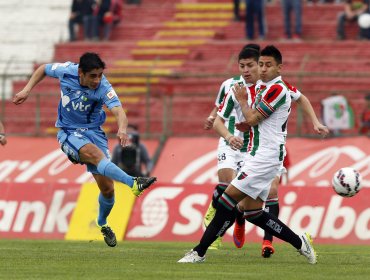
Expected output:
(273, 52)
(252, 46)
(250, 51)
(90, 61)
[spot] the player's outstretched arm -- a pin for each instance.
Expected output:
(309, 111)
(122, 123)
(208, 123)
(36, 77)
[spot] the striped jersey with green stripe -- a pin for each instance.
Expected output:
(225, 89)
(273, 101)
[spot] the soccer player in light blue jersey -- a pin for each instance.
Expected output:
(84, 91)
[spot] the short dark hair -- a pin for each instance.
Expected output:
(90, 61)
(253, 46)
(273, 52)
(250, 51)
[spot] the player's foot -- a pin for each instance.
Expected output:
(208, 217)
(108, 234)
(217, 244)
(141, 184)
(239, 234)
(267, 249)
(307, 249)
(192, 257)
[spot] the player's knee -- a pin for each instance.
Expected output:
(91, 154)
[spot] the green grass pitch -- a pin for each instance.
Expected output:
(30, 259)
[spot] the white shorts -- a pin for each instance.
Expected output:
(229, 158)
(256, 176)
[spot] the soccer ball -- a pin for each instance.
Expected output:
(364, 21)
(346, 182)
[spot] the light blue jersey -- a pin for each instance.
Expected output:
(79, 106)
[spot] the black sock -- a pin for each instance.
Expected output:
(273, 225)
(239, 216)
(224, 218)
(272, 207)
(219, 190)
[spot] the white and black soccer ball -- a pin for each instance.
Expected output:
(347, 182)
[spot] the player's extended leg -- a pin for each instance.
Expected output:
(91, 154)
(271, 206)
(224, 218)
(225, 176)
(211, 211)
(106, 202)
(275, 227)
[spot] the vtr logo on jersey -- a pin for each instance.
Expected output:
(79, 106)
(76, 105)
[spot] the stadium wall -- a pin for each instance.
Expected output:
(43, 196)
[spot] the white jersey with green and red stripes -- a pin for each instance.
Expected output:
(224, 91)
(230, 106)
(273, 100)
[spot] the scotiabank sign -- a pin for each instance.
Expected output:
(36, 210)
(175, 212)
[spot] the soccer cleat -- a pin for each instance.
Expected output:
(267, 249)
(208, 217)
(192, 257)
(307, 248)
(108, 234)
(217, 244)
(141, 184)
(239, 234)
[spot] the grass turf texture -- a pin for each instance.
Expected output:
(30, 259)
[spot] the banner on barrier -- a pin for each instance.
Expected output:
(313, 161)
(175, 212)
(42, 161)
(36, 211)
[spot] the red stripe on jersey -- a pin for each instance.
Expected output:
(290, 87)
(252, 90)
(268, 105)
(272, 93)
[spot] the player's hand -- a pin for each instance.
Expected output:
(20, 97)
(321, 130)
(236, 143)
(243, 126)
(123, 138)
(208, 123)
(240, 93)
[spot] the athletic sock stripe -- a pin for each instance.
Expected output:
(222, 186)
(227, 201)
(253, 214)
(272, 201)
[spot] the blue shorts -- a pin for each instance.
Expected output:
(72, 140)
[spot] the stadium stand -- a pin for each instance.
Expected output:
(167, 60)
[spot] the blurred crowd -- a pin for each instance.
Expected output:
(95, 17)
(292, 10)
